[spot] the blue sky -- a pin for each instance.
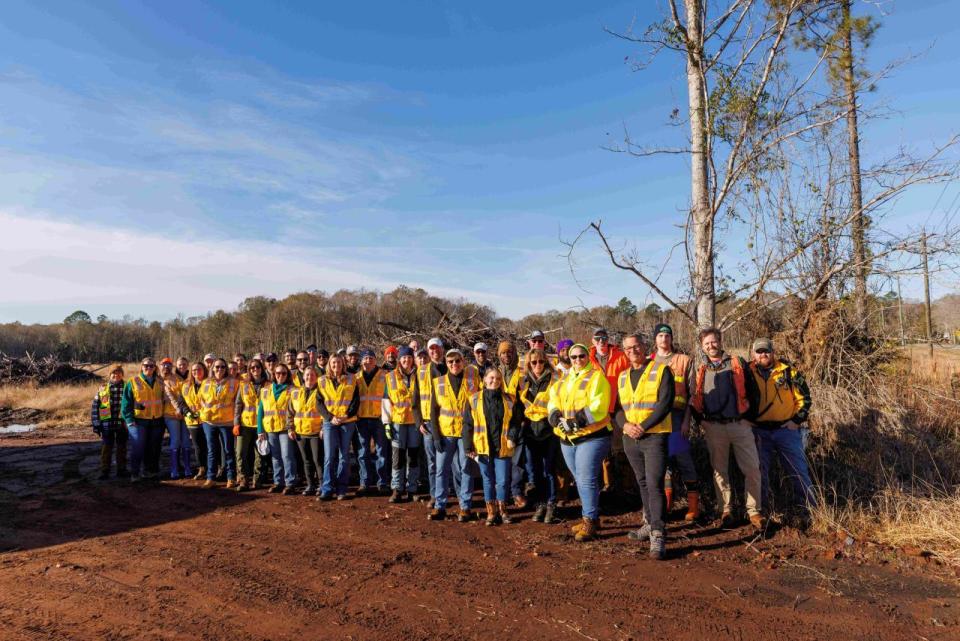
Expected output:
(177, 157)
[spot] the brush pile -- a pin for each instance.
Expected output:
(41, 371)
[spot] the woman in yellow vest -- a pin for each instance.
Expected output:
(272, 412)
(491, 427)
(341, 401)
(374, 470)
(579, 412)
(400, 411)
(190, 393)
(173, 418)
(142, 411)
(449, 399)
(645, 391)
(252, 466)
(541, 444)
(304, 425)
(218, 394)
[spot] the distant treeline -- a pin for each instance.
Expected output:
(362, 317)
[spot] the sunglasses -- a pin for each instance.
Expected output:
(633, 348)
(538, 362)
(578, 356)
(219, 367)
(454, 360)
(256, 367)
(301, 360)
(600, 339)
(537, 340)
(280, 373)
(148, 365)
(761, 351)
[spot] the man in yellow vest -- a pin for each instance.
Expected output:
(425, 375)
(509, 366)
(449, 400)
(142, 411)
(373, 471)
(645, 392)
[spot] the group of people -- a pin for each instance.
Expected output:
(296, 419)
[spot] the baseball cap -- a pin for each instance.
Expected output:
(536, 334)
(352, 349)
(210, 357)
(435, 341)
(480, 347)
(598, 332)
(763, 343)
(272, 356)
(453, 352)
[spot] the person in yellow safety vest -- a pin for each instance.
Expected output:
(252, 466)
(305, 425)
(680, 461)
(190, 393)
(272, 410)
(645, 392)
(491, 427)
(579, 412)
(142, 411)
(240, 359)
(183, 369)
(374, 472)
(563, 356)
(449, 398)
(173, 418)
(400, 412)
(480, 360)
(509, 365)
(107, 423)
(542, 445)
(390, 357)
(302, 364)
(218, 395)
(341, 402)
(425, 375)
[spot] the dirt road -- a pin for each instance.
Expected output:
(86, 560)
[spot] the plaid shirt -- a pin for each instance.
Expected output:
(116, 397)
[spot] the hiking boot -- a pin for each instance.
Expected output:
(201, 474)
(325, 496)
(341, 497)
(588, 530)
(437, 514)
(287, 491)
(243, 487)
(576, 527)
(758, 522)
(310, 490)
(396, 497)
(275, 489)
(657, 545)
(693, 507)
(519, 502)
(539, 513)
(465, 515)
(231, 484)
(727, 521)
(504, 515)
(492, 517)
(643, 534)
(208, 484)
(548, 516)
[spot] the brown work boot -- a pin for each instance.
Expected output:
(504, 515)
(231, 484)
(201, 474)
(491, 513)
(726, 520)
(208, 484)
(465, 515)
(588, 531)
(758, 522)
(577, 527)
(437, 514)
(519, 502)
(693, 507)
(396, 497)
(668, 492)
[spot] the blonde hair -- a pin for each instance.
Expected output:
(542, 354)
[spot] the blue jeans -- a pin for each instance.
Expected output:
(496, 477)
(788, 444)
(220, 436)
(373, 471)
(520, 465)
(542, 456)
(336, 457)
(137, 446)
(405, 439)
(430, 449)
(449, 450)
(284, 461)
(585, 459)
(146, 440)
(179, 445)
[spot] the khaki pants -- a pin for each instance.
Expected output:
(720, 437)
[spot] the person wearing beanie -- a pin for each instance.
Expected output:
(390, 356)
(400, 413)
(563, 356)
(108, 424)
(680, 461)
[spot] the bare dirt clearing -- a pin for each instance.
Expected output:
(88, 560)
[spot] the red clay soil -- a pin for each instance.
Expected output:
(80, 559)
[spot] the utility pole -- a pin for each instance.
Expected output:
(926, 292)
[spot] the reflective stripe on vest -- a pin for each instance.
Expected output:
(105, 411)
(452, 407)
(481, 436)
(536, 410)
(307, 418)
(274, 409)
(638, 403)
(338, 399)
(150, 397)
(401, 398)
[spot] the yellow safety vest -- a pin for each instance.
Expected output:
(338, 399)
(169, 409)
(304, 403)
(217, 406)
(105, 409)
(274, 409)
(401, 398)
(536, 410)
(638, 403)
(425, 385)
(481, 438)
(248, 392)
(453, 405)
(371, 396)
(574, 393)
(512, 385)
(191, 396)
(150, 397)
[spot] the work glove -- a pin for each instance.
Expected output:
(140, 406)
(511, 444)
(554, 418)
(388, 430)
(193, 416)
(581, 418)
(236, 430)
